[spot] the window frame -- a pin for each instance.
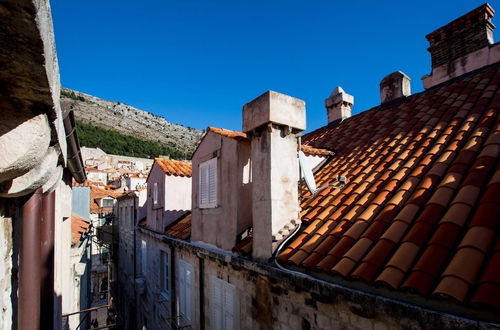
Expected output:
(185, 301)
(144, 256)
(205, 170)
(165, 274)
(155, 193)
(225, 304)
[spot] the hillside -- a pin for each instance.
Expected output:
(127, 120)
(116, 143)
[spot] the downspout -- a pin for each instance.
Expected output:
(75, 161)
(135, 263)
(47, 260)
(29, 264)
(173, 312)
(202, 289)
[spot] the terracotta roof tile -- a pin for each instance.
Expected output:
(79, 226)
(97, 193)
(420, 209)
(180, 228)
(174, 167)
(308, 150)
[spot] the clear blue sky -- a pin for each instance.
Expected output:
(196, 62)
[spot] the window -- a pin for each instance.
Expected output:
(155, 193)
(185, 289)
(224, 305)
(132, 224)
(165, 273)
(107, 202)
(208, 184)
(144, 256)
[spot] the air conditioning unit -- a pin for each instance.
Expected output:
(140, 285)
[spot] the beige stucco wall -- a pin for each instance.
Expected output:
(177, 196)
(275, 172)
(220, 226)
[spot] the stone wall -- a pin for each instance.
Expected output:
(269, 297)
(6, 251)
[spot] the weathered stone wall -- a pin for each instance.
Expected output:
(124, 224)
(6, 251)
(272, 298)
(153, 305)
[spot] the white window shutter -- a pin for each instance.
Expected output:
(189, 303)
(208, 183)
(212, 181)
(182, 288)
(229, 306)
(203, 185)
(217, 301)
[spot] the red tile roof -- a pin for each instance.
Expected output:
(87, 183)
(174, 167)
(310, 151)
(97, 193)
(79, 226)
(306, 149)
(227, 133)
(421, 207)
(181, 228)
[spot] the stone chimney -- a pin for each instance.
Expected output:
(461, 46)
(273, 122)
(394, 86)
(339, 105)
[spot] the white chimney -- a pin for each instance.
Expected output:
(339, 105)
(273, 122)
(394, 86)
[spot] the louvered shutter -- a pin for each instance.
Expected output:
(208, 183)
(212, 182)
(229, 306)
(217, 301)
(188, 291)
(203, 187)
(182, 288)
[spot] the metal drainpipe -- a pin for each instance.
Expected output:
(29, 264)
(202, 290)
(173, 312)
(135, 265)
(47, 260)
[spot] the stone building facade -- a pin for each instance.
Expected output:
(395, 228)
(40, 157)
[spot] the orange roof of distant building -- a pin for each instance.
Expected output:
(87, 183)
(93, 169)
(420, 210)
(79, 226)
(174, 167)
(180, 228)
(96, 194)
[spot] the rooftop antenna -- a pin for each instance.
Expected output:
(306, 172)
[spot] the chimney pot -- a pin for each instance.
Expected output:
(394, 86)
(462, 36)
(275, 108)
(339, 105)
